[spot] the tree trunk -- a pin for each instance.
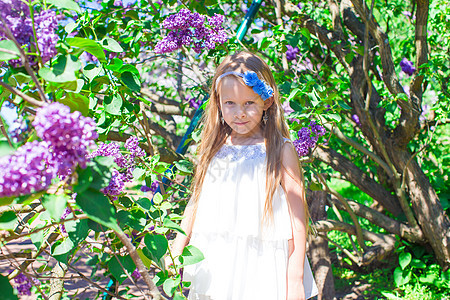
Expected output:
(427, 207)
(318, 249)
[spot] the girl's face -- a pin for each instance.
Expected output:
(242, 108)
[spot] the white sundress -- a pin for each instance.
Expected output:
(242, 260)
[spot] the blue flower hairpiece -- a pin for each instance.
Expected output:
(252, 80)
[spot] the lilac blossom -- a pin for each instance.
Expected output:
(28, 170)
(194, 102)
(132, 145)
(191, 29)
(136, 274)
(17, 17)
(115, 186)
(126, 164)
(407, 66)
(70, 135)
(24, 284)
(66, 139)
(308, 137)
(291, 52)
(355, 118)
(46, 24)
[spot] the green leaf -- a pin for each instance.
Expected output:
(401, 277)
(63, 71)
(417, 263)
(88, 45)
(428, 278)
(55, 205)
(8, 45)
(185, 166)
(404, 259)
(76, 102)
(157, 198)
(70, 27)
(296, 106)
(64, 247)
(335, 117)
(344, 105)
(191, 255)
(7, 289)
(77, 230)
(172, 225)
(292, 94)
(170, 285)
(85, 179)
(157, 245)
(8, 220)
(131, 80)
(111, 45)
(145, 203)
(67, 4)
(37, 238)
(91, 71)
(98, 208)
(305, 32)
(116, 269)
(113, 104)
(135, 219)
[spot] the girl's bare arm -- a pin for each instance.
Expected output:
(291, 181)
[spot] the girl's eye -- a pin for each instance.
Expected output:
(250, 102)
(228, 102)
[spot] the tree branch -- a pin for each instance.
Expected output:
(353, 174)
(402, 230)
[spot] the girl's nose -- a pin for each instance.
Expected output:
(240, 113)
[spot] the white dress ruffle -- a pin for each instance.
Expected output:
(243, 259)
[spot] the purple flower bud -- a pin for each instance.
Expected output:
(291, 52)
(355, 118)
(407, 66)
(136, 274)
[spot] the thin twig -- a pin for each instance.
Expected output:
(22, 95)
(3, 129)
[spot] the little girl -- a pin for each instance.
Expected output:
(247, 214)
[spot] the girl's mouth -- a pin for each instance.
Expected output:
(240, 123)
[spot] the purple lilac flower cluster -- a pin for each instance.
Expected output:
(407, 66)
(187, 28)
(25, 284)
(126, 163)
(16, 13)
(291, 52)
(194, 102)
(355, 118)
(136, 274)
(70, 135)
(152, 188)
(46, 25)
(308, 137)
(66, 138)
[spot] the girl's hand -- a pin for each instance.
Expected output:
(296, 292)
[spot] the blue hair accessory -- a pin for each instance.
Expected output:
(251, 79)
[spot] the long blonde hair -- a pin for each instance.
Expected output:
(214, 133)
